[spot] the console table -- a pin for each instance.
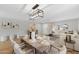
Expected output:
(70, 42)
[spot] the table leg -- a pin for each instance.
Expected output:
(34, 50)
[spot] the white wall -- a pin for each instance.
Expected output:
(72, 23)
(23, 27)
(22, 30)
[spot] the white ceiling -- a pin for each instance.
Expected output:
(53, 12)
(62, 12)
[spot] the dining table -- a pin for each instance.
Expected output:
(43, 44)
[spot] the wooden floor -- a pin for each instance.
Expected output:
(5, 47)
(71, 51)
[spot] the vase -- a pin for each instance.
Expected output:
(33, 36)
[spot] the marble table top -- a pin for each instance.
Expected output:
(38, 44)
(42, 44)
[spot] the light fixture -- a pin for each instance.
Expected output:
(34, 7)
(36, 13)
